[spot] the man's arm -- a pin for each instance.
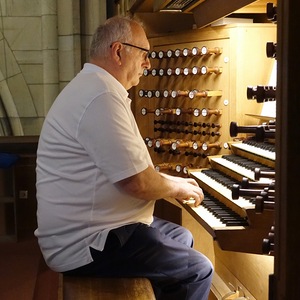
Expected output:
(152, 185)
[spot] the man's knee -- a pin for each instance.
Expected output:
(189, 238)
(206, 269)
(184, 236)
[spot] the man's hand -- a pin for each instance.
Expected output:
(191, 193)
(189, 190)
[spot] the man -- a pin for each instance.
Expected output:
(96, 185)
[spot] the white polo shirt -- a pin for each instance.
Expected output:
(89, 141)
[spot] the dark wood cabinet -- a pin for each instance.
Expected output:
(17, 188)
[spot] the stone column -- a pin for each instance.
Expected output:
(49, 52)
(69, 48)
(93, 13)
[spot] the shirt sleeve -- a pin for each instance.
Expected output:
(109, 134)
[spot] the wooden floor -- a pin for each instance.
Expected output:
(23, 272)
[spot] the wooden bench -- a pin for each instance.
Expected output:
(86, 288)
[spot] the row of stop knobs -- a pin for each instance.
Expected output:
(204, 112)
(203, 70)
(186, 52)
(175, 144)
(179, 93)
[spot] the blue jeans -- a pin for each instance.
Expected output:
(161, 252)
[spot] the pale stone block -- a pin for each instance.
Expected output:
(68, 17)
(69, 57)
(2, 61)
(2, 111)
(5, 129)
(21, 8)
(29, 57)
(43, 97)
(32, 126)
(1, 76)
(51, 91)
(23, 33)
(94, 15)
(63, 84)
(21, 96)
(37, 94)
(16, 126)
(85, 48)
(67, 42)
(49, 7)
(50, 58)
(8, 100)
(3, 8)
(33, 74)
(11, 65)
(49, 32)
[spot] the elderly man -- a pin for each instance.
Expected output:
(96, 185)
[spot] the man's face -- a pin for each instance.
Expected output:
(137, 59)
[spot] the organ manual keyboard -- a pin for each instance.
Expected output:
(233, 220)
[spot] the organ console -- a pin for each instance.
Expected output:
(233, 164)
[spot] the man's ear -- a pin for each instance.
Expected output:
(116, 52)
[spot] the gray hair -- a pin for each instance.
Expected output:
(118, 28)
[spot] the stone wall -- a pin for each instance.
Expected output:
(43, 45)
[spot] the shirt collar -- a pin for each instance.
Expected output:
(88, 67)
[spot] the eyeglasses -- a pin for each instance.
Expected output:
(148, 54)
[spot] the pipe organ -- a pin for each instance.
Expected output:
(199, 111)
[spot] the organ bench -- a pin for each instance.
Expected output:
(87, 288)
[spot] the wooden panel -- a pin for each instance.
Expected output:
(166, 210)
(208, 12)
(78, 288)
(19, 144)
(248, 271)
(26, 204)
(17, 188)
(156, 5)
(257, 7)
